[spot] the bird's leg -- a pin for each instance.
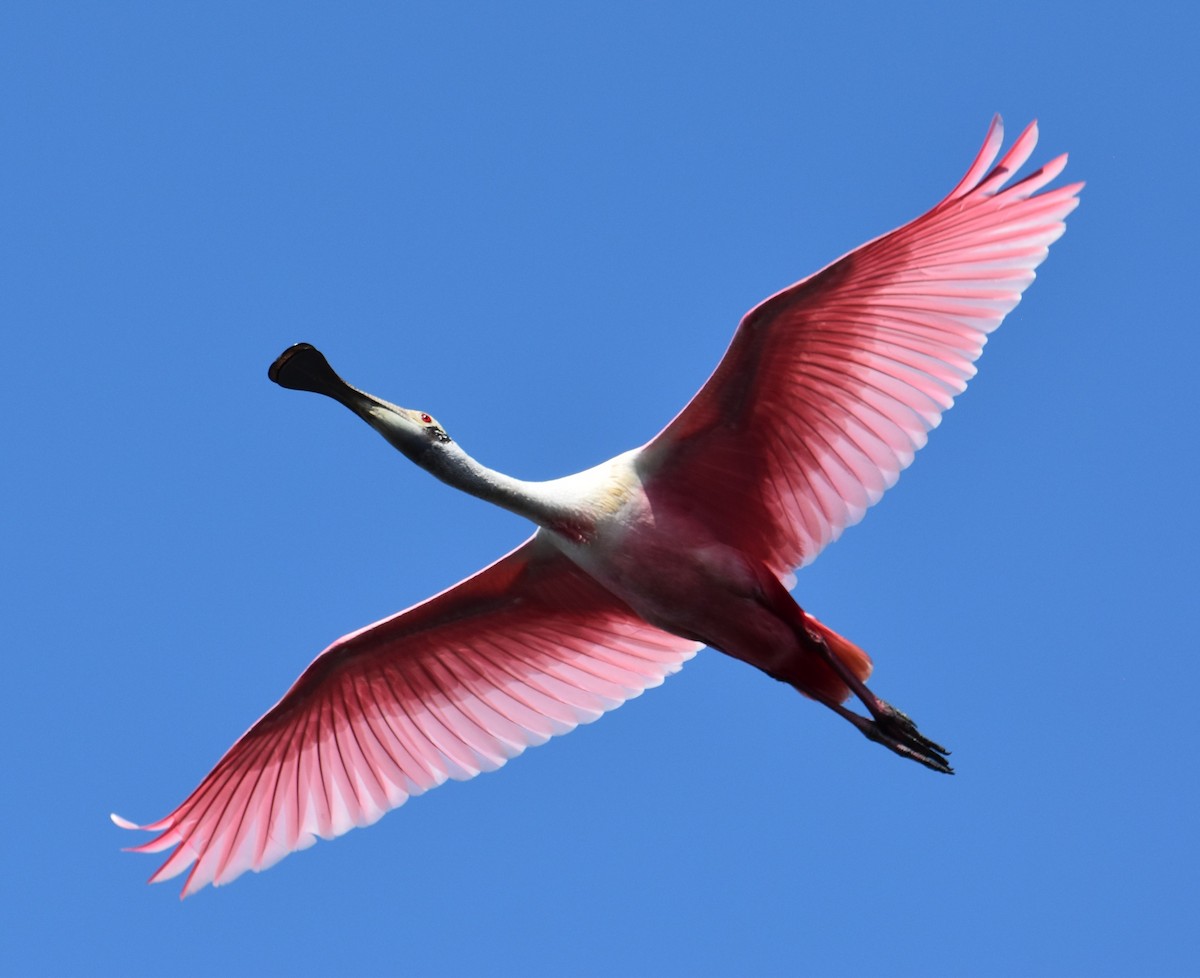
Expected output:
(886, 725)
(889, 726)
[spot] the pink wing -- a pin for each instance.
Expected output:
(525, 649)
(830, 386)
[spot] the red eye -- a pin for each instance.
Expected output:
(427, 419)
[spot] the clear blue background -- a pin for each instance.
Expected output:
(541, 223)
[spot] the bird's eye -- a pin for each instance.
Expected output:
(433, 429)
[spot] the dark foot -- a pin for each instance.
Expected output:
(897, 732)
(890, 727)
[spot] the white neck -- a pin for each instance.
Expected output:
(535, 501)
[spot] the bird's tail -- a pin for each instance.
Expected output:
(816, 679)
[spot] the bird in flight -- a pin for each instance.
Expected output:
(827, 390)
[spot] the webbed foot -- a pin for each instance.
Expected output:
(897, 732)
(891, 727)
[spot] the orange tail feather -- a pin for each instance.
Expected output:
(821, 680)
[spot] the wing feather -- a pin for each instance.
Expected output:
(830, 387)
(526, 649)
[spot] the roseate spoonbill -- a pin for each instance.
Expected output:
(825, 393)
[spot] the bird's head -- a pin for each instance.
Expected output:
(304, 368)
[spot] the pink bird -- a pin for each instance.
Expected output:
(826, 392)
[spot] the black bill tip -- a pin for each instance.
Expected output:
(304, 368)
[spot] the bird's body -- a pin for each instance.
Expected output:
(826, 392)
(643, 548)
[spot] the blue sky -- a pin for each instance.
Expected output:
(541, 224)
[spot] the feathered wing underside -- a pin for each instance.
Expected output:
(526, 649)
(830, 386)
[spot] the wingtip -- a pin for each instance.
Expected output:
(983, 159)
(1031, 132)
(123, 823)
(995, 136)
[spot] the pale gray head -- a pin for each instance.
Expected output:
(304, 368)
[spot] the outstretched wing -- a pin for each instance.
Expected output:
(527, 648)
(830, 386)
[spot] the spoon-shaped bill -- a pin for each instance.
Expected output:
(303, 367)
